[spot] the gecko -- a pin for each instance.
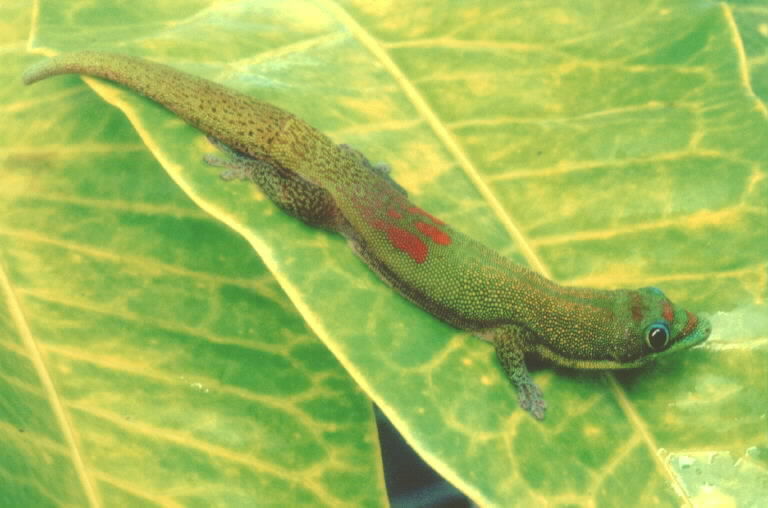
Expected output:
(446, 273)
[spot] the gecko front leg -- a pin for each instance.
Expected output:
(510, 341)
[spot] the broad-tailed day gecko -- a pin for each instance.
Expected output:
(446, 273)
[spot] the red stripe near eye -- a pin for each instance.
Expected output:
(636, 307)
(394, 214)
(667, 311)
(691, 325)
(433, 233)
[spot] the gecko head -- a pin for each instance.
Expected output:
(658, 327)
(616, 329)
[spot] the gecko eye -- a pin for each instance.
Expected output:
(657, 336)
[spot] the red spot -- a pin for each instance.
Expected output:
(394, 214)
(433, 233)
(435, 220)
(667, 312)
(690, 326)
(404, 240)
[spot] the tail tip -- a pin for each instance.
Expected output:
(35, 73)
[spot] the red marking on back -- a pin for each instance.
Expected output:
(433, 233)
(435, 220)
(667, 311)
(404, 240)
(394, 214)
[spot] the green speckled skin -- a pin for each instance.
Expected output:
(439, 269)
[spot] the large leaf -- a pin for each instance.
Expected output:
(601, 146)
(146, 354)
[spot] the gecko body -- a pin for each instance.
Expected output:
(443, 271)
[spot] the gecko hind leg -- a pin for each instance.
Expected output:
(239, 165)
(307, 202)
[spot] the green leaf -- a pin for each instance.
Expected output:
(147, 357)
(601, 146)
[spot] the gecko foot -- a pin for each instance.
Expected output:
(236, 170)
(532, 399)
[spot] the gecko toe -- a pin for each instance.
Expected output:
(532, 400)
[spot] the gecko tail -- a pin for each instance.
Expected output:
(67, 63)
(38, 71)
(217, 111)
(245, 125)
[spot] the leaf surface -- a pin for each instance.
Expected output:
(602, 147)
(147, 357)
